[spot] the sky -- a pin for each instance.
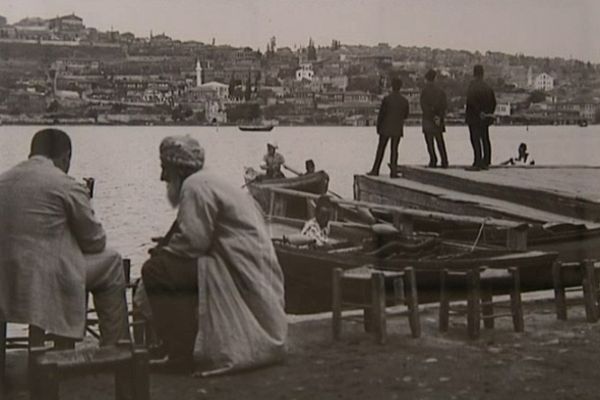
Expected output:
(544, 28)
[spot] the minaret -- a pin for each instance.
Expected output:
(198, 74)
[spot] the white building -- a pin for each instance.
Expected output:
(305, 72)
(503, 109)
(543, 82)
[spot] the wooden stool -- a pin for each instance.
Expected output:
(36, 337)
(481, 286)
(588, 273)
(129, 365)
(365, 288)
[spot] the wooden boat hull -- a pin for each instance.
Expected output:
(572, 243)
(316, 183)
(308, 272)
(257, 128)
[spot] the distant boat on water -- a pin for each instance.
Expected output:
(256, 128)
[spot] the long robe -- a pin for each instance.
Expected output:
(242, 321)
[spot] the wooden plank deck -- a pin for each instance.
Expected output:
(567, 194)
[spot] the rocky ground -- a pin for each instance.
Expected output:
(551, 360)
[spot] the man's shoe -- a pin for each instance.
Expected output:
(393, 174)
(445, 165)
(372, 173)
(431, 165)
(473, 168)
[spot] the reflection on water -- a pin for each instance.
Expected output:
(130, 199)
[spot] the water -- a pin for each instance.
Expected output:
(130, 199)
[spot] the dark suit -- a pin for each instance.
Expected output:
(434, 104)
(480, 98)
(390, 124)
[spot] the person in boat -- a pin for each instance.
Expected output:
(273, 161)
(315, 231)
(481, 104)
(522, 158)
(433, 104)
(390, 126)
(53, 248)
(214, 286)
(309, 165)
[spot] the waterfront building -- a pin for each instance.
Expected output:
(67, 27)
(305, 72)
(33, 29)
(2, 21)
(544, 82)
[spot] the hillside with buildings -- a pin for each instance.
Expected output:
(60, 70)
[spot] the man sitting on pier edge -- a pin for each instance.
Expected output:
(53, 249)
(215, 286)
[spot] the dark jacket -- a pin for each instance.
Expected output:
(480, 98)
(392, 113)
(433, 104)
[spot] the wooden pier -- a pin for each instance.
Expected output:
(553, 194)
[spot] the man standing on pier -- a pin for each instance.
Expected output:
(390, 125)
(215, 285)
(433, 105)
(481, 104)
(53, 249)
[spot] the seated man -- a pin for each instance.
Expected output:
(522, 158)
(273, 161)
(214, 285)
(310, 167)
(316, 230)
(53, 249)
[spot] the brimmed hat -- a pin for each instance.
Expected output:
(273, 144)
(182, 151)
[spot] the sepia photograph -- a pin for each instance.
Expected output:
(299, 199)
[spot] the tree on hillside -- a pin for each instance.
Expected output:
(537, 96)
(248, 91)
(311, 51)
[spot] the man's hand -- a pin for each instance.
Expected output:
(437, 120)
(89, 183)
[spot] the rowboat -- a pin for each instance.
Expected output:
(260, 188)
(572, 242)
(308, 270)
(255, 128)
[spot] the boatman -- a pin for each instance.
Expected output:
(390, 125)
(433, 104)
(216, 286)
(53, 249)
(273, 161)
(481, 104)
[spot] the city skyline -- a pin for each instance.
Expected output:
(542, 28)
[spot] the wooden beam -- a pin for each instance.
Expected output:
(432, 215)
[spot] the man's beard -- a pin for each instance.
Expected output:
(173, 190)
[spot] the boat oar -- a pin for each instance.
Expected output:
(292, 169)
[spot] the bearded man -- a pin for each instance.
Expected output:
(214, 285)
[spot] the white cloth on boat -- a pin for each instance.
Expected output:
(313, 230)
(242, 321)
(46, 226)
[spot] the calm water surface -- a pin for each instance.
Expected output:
(130, 199)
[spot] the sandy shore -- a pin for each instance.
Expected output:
(551, 360)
